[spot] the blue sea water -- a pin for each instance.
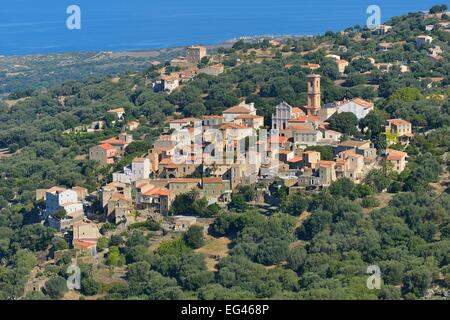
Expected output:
(39, 26)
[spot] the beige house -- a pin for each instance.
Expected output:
(215, 189)
(250, 120)
(304, 135)
(342, 65)
(397, 159)
(423, 39)
(104, 153)
(402, 130)
(183, 185)
(400, 127)
(195, 54)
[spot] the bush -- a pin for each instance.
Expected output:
(370, 202)
(102, 244)
(90, 287)
(56, 287)
(194, 237)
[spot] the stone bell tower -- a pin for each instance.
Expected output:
(313, 106)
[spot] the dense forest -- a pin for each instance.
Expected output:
(316, 246)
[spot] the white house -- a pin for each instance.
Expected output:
(62, 199)
(67, 200)
(140, 169)
(359, 107)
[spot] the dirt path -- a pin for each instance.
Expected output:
(214, 250)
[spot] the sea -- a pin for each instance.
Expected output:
(41, 26)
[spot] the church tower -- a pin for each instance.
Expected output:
(313, 106)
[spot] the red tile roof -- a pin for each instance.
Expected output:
(118, 110)
(106, 146)
(398, 121)
(166, 161)
(114, 141)
(158, 192)
(185, 120)
(326, 163)
(363, 103)
(184, 180)
(237, 109)
(395, 155)
(212, 180)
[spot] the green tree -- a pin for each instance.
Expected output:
(194, 237)
(344, 122)
(56, 287)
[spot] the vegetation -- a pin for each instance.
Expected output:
(315, 246)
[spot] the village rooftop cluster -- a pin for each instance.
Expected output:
(220, 153)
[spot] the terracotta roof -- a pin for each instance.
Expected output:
(158, 192)
(85, 244)
(395, 155)
(116, 184)
(310, 65)
(114, 141)
(170, 77)
(184, 180)
(106, 146)
(56, 189)
(363, 103)
(303, 127)
(295, 160)
(326, 163)
(304, 119)
(341, 61)
(398, 121)
(352, 143)
(118, 110)
(185, 120)
(237, 109)
(285, 151)
(166, 161)
(212, 180)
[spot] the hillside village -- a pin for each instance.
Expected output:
(285, 154)
(167, 165)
